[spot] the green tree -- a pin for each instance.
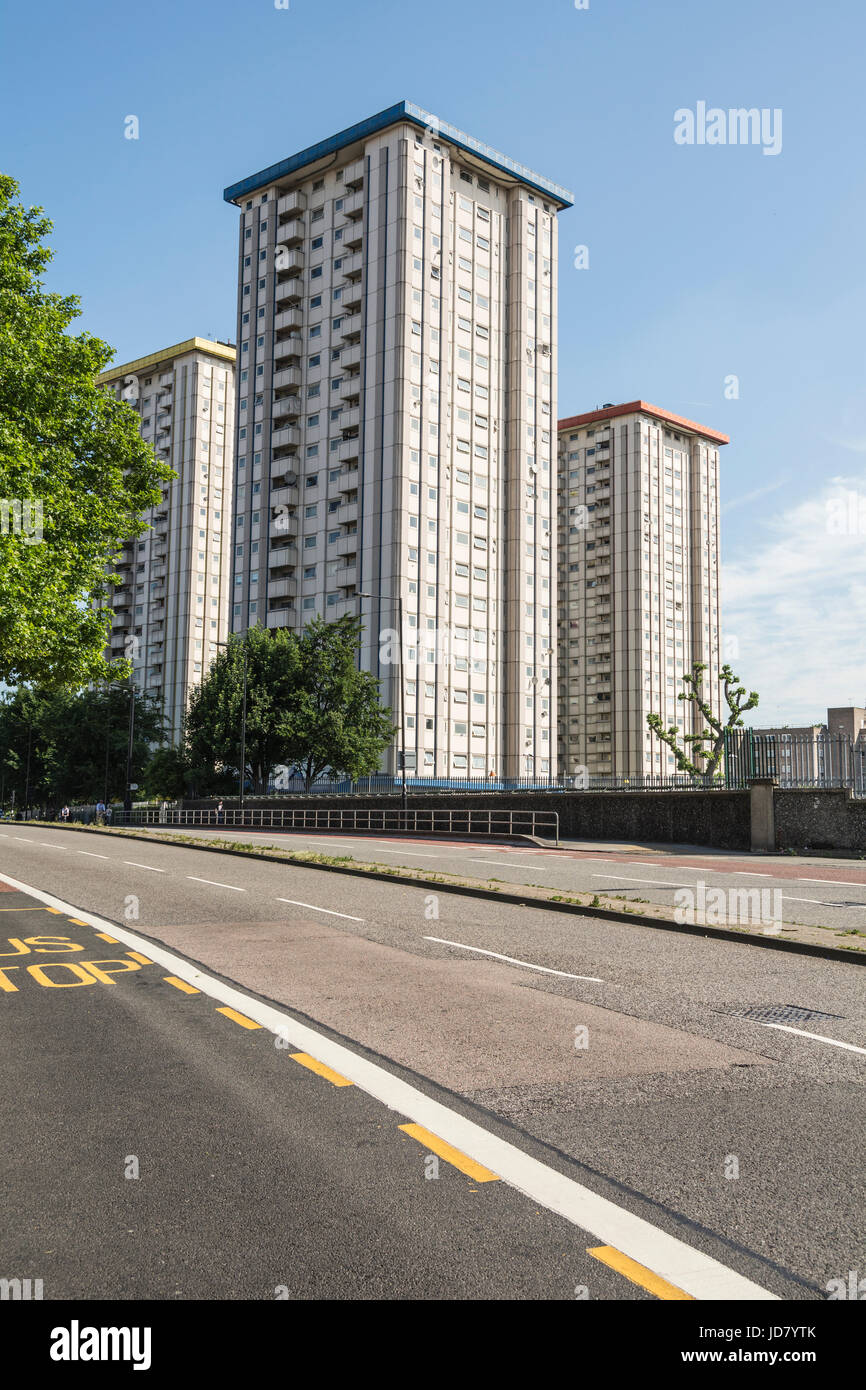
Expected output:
(75, 475)
(167, 774)
(709, 744)
(335, 721)
(215, 710)
(86, 737)
(77, 742)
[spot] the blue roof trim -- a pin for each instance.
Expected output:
(403, 111)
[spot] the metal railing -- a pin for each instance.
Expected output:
(438, 821)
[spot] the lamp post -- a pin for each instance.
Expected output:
(398, 602)
(127, 794)
(243, 767)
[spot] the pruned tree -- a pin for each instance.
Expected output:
(707, 745)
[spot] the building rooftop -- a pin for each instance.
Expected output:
(403, 111)
(609, 412)
(225, 350)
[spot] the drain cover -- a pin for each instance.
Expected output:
(781, 1013)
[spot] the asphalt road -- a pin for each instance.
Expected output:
(605, 1062)
(821, 892)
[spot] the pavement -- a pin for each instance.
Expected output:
(665, 1097)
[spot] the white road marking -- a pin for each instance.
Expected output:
(656, 882)
(312, 906)
(669, 1257)
(501, 864)
(545, 970)
(833, 882)
(816, 1037)
(214, 883)
(411, 853)
(816, 902)
(91, 855)
(135, 865)
(26, 838)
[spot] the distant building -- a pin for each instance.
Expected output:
(639, 562)
(850, 720)
(173, 603)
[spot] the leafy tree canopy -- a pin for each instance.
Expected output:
(75, 475)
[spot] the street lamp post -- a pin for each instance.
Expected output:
(398, 600)
(243, 767)
(127, 795)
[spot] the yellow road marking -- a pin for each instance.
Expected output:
(22, 909)
(181, 984)
(320, 1069)
(453, 1156)
(54, 910)
(638, 1274)
(142, 960)
(239, 1018)
(105, 937)
(78, 922)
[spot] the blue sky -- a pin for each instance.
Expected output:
(704, 261)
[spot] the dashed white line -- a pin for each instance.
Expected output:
(214, 883)
(833, 882)
(312, 906)
(527, 965)
(656, 882)
(816, 1037)
(91, 855)
(136, 865)
(502, 864)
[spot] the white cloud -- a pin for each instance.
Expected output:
(797, 607)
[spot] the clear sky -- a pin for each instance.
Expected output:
(705, 261)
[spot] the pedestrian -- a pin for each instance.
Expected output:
(100, 812)
(64, 812)
(220, 816)
(108, 815)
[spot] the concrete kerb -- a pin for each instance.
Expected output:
(515, 899)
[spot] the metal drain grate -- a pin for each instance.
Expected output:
(781, 1013)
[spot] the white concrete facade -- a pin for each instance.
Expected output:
(396, 427)
(639, 576)
(173, 604)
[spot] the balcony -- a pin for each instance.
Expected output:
(352, 266)
(352, 296)
(350, 357)
(353, 235)
(347, 513)
(346, 577)
(288, 293)
(284, 497)
(286, 411)
(282, 588)
(350, 327)
(354, 173)
(350, 389)
(290, 205)
(166, 378)
(120, 599)
(349, 451)
(347, 545)
(282, 556)
(281, 617)
(289, 437)
(353, 205)
(291, 233)
(349, 480)
(288, 320)
(291, 263)
(287, 377)
(350, 419)
(283, 525)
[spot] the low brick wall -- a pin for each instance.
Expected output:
(714, 818)
(811, 819)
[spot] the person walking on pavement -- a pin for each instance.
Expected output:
(220, 816)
